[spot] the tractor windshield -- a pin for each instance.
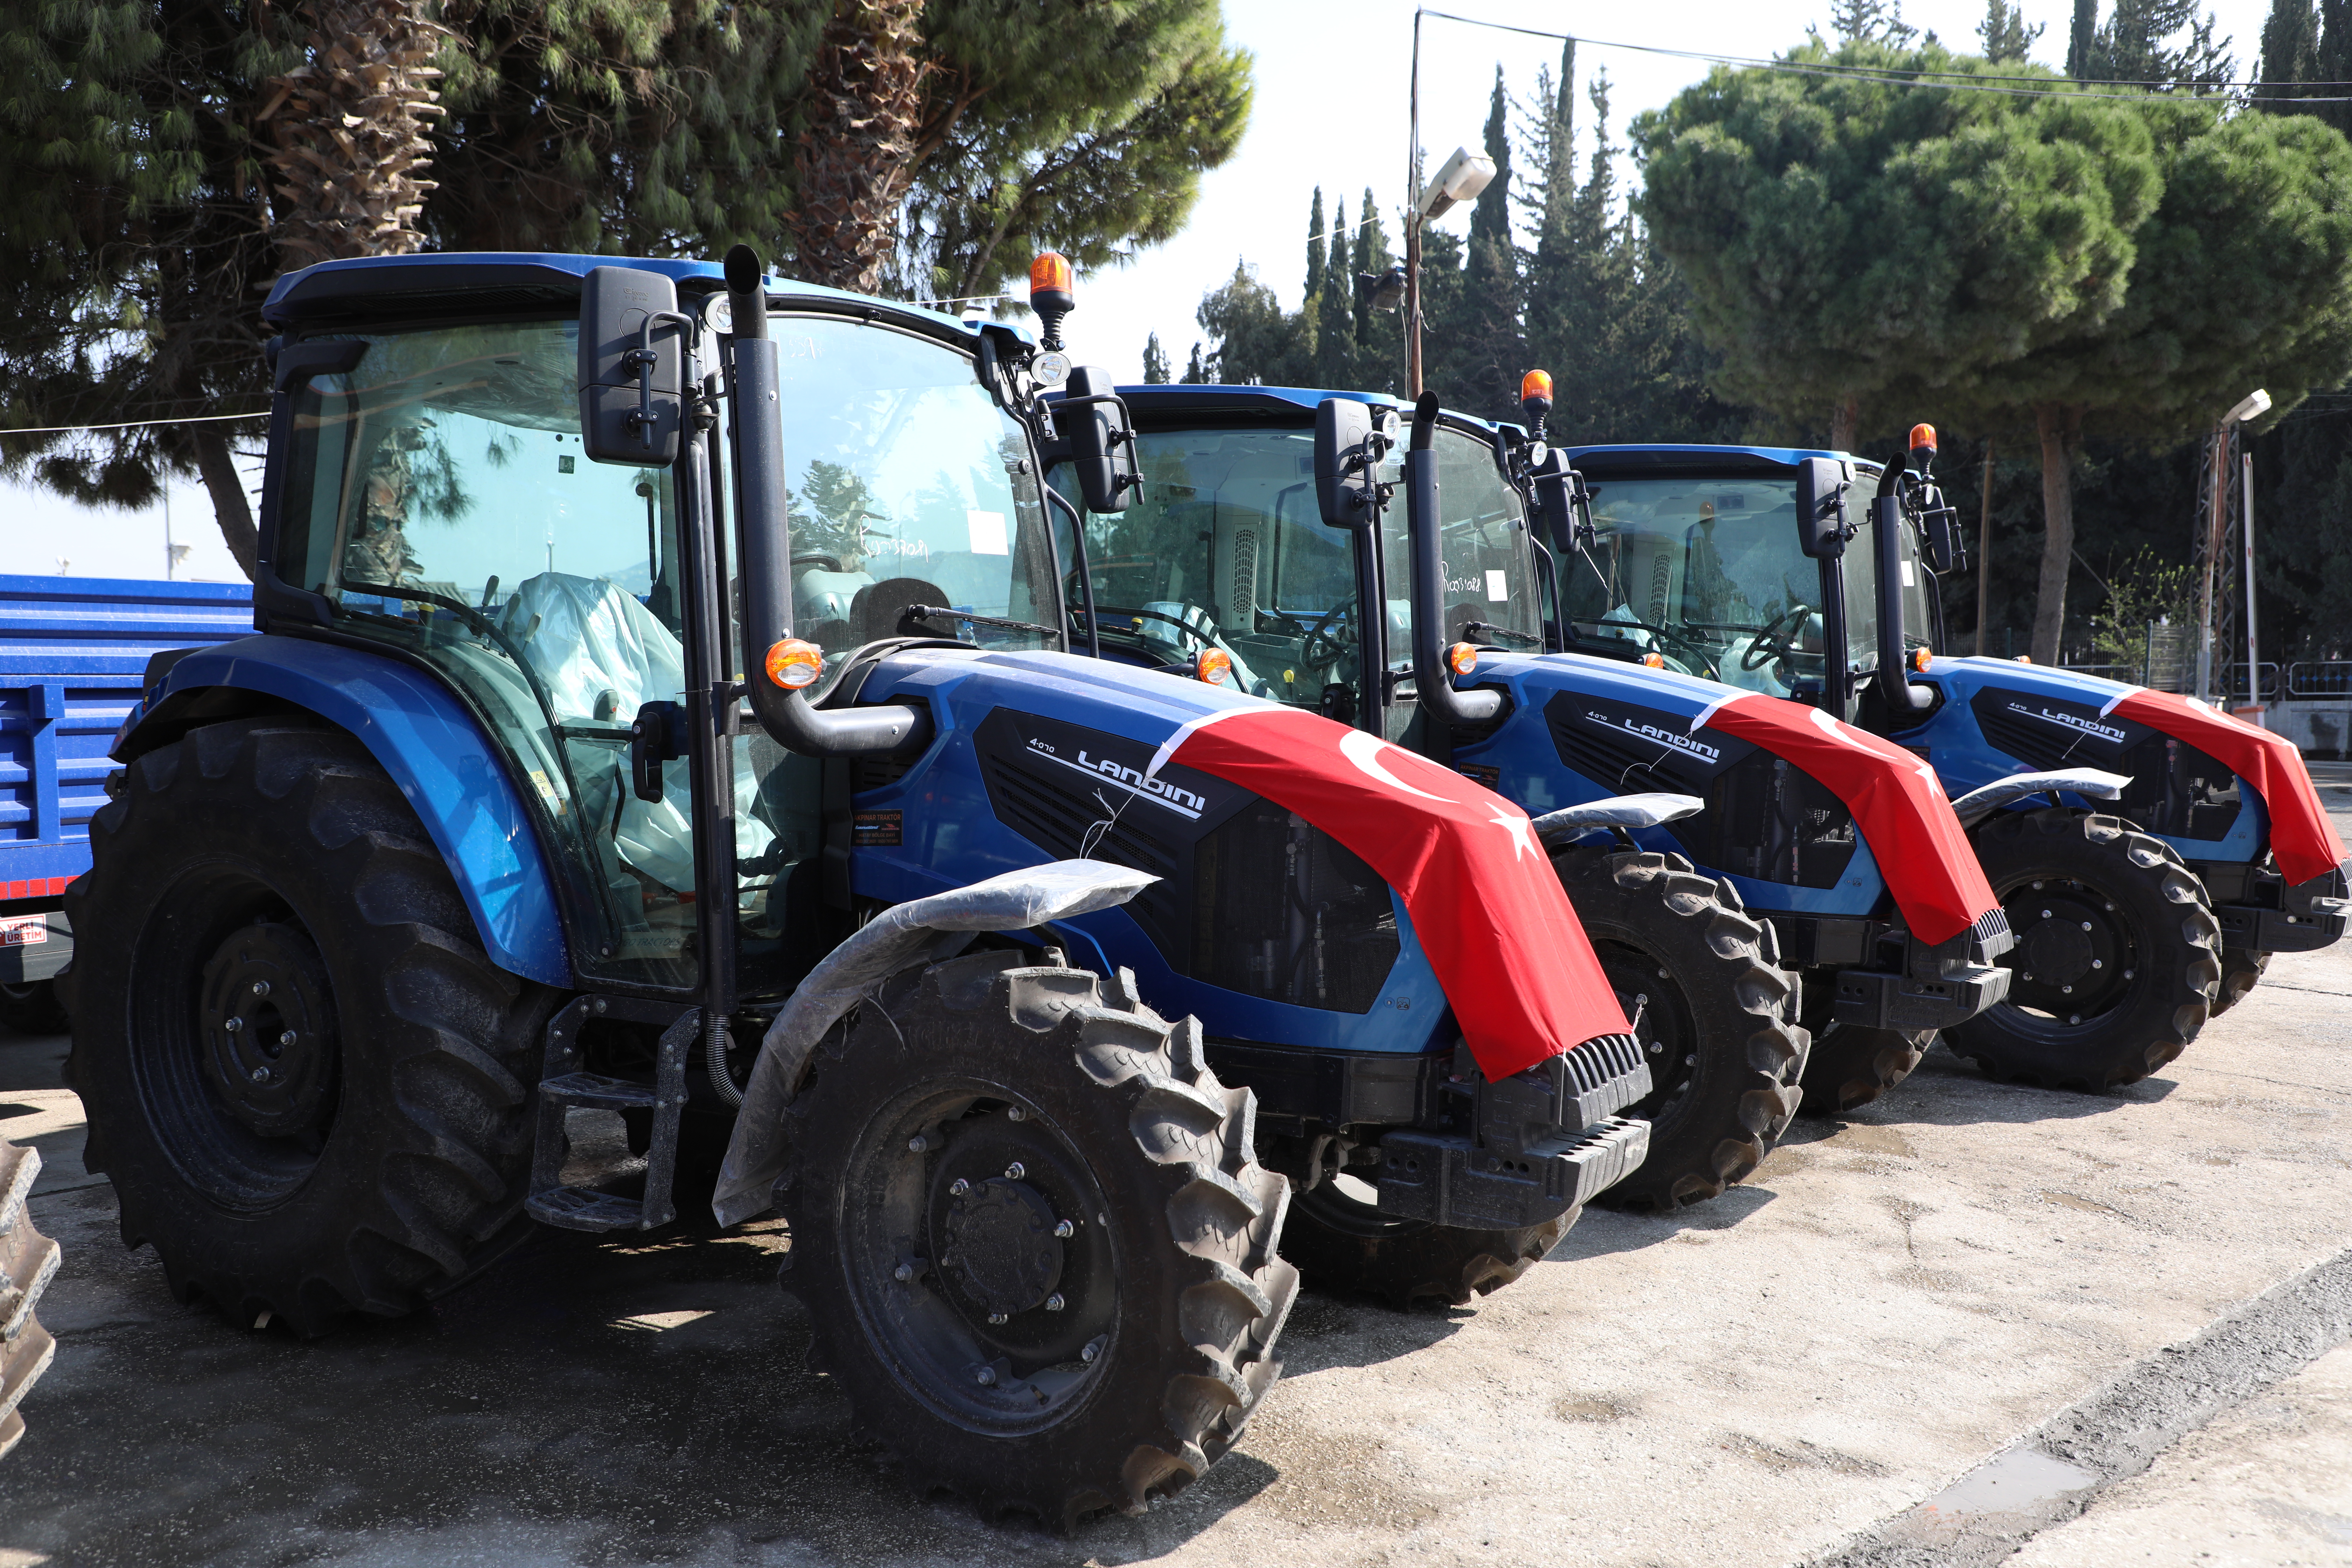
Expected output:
(1707, 573)
(1225, 546)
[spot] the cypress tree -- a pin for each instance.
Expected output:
(2080, 38)
(1314, 258)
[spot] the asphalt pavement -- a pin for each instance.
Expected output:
(1975, 1320)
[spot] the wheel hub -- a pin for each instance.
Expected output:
(2071, 957)
(267, 1022)
(1001, 1245)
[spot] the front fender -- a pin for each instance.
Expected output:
(431, 746)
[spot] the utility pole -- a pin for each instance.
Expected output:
(2212, 546)
(2254, 665)
(1413, 226)
(1984, 550)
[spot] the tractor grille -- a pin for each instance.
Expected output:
(2176, 789)
(1330, 942)
(1062, 823)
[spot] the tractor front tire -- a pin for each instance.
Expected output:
(308, 1082)
(1712, 1008)
(2117, 954)
(29, 1261)
(1343, 1243)
(2241, 971)
(1850, 1066)
(1034, 1242)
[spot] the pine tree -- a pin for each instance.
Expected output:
(2004, 34)
(1870, 21)
(2290, 52)
(2162, 42)
(1473, 350)
(1155, 362)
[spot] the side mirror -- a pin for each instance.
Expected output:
(1944, 548)
(1551, 484)
(1093, 422)
(631, 366)
(1347, 462)
(1821, 486)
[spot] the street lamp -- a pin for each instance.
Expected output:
(1461, 177)
(2254, 406)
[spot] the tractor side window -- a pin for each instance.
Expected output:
(437, 496)
(1490, 575)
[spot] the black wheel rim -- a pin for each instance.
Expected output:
(235, 1045)
(1661, 1016)
(977, 1245)
(2081, 956)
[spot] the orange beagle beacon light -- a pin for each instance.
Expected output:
(794, 664)
(1535, 396)
(1212, 666)
(1923, 446)
(1051, 294)
(1462, 658)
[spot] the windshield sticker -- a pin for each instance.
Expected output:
(987, 531)
(1498, 591)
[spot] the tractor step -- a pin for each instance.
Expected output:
(581, 1208)
(565, 1087)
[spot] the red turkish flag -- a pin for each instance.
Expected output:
(1485, 900)
(2301, 836)
(1898, 804)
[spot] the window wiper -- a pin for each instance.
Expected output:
(940, 612)
(1521, 638)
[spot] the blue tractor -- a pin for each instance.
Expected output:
(1736, 905)
(567, 794)
(2145, 895)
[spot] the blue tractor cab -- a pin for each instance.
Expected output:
(641, 734)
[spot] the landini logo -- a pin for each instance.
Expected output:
(2074, 721)
(1118, 775)
(1673, 740)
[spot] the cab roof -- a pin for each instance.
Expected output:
(462, 282)
(1686, 458)
(1170, 402)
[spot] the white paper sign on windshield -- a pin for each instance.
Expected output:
(988, 537)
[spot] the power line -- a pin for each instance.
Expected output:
(1958, 81)
(128, 423)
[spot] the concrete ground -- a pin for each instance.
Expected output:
(1969, 1293)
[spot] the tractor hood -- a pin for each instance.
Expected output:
(2031, 712)
(1162, 753)
(1664, 730)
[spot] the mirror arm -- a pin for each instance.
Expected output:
(1078, 549)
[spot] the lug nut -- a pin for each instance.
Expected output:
(2086, 925)
(918, 1144)
(903, 1273)
(1016, 1171)
(998, 1317)
(1014, 1113)
(1094, 1349)
(2099, 964)
(288, 1039)
(261, 1075)
(1065, 1230)
(2068, 990)
(957, 1188)
(986, 1377)
(233, 1025)
(261, 988)
(1053, 1303)
(2045, 915)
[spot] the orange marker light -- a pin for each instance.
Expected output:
(1921, 657)
(2025, 659)
(1462, 658)
(1212, 666)
(1655, 660)
(794, 664)
(1049, 273)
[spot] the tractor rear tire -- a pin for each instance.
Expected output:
(33, 1008)
(1712, 1008)
(29, 1261)
(309, 1083)
(1035, 1245)
(2241, 971)
(1344, 1245)
(2111, 912)
(1852, 1066)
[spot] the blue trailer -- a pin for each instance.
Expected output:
(73, 651)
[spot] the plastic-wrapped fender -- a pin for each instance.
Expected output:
(924, 930)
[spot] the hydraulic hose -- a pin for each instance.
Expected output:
(715, 1044)
(1886, 526)
(1430, 677)
(767, 547)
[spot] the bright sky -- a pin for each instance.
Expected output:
(1332, 80)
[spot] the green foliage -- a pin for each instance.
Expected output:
(2162, 42)
(1155, 362)
(2004, 34)
(2146, 588)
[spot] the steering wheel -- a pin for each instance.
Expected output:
(1319, 637)
(1769, 643)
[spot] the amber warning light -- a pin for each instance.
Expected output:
(794, 664)
(1923, 446)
